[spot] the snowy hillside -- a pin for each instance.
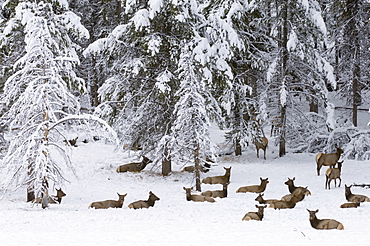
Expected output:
(175, 221)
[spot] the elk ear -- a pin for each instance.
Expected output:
(317, 210)
(293, 178)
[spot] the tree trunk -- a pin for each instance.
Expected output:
(197, 169)
(238, 147)
(283, 68)
(166, 164)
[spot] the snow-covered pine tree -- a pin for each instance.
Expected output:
(235, 29)
(298, 71)
(190, 137)
(99, 18)
(349, 31)
(39, 99)
(138, 97)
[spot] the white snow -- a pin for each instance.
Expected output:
(175, 221)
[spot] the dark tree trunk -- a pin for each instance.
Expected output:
(166, 164)
(197, 169)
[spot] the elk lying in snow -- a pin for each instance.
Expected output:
(254, 188)
(203, 168)
(255, 215)
(52, 199)
(217, 193)
(197, 198)
(290, 200)
(333, 174)
(324, 224)
(353, 197)
(327, 159)
(350, 205)
(260, 199)
(71, 142)
(292, 187)
(261, 143)
(145, 204)
(134, 167)
(218, 179)
(109, 203)
(297, 195)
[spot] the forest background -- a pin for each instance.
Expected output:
(155, 75)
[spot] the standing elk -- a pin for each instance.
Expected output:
(255, 215)
(217, 193)
(109, 203)
(218, 179)
(327, 159)
(261, 143)
(254, 188)
(323, 224)
(134, 167)
(145, 203)
(197, 198)
(333, 174)
(353, 197)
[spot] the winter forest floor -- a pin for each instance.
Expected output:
(175, 221)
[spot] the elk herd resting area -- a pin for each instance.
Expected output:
(174, 220)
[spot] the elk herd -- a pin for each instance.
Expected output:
(296, 193)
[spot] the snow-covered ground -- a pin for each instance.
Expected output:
(175, 221)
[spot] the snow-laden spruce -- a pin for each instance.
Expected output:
(41, 107)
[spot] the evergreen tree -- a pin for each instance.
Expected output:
(298, 71)
(190, 131)
(39, 98)
(349, 32)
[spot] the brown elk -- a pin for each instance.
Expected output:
(350, 205)
(134, 167)
(109, 203)
(217, 193)
(333, 174)
(323, 224)
(297, 195)
(292, 187)
(261, 143)
(218, 179)
(145, 203)
(254, 188)
(197, 198)
(52, 199)
(255, 215)
(290, 200)
(353, 197)
(327, 159)
(203, 168)
(71, 142)
(261, 200)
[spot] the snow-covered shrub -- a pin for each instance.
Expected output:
(359, 146)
